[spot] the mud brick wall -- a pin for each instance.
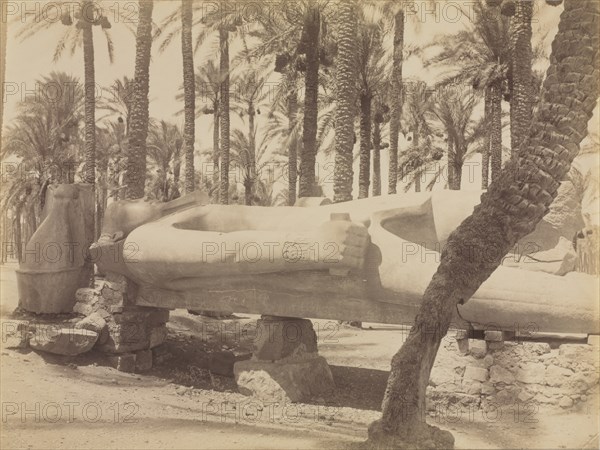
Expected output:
(513, 373)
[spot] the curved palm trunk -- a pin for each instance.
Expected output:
(510, 210)
(485, 154)
(224, 116)
(135, 173)
(346, 98)
(216, 152)
(376, 158)
(396, 110)
(496, 131)
(521, 100)
(365, 146)
(312, 25)
(189, 94)
(293, 148)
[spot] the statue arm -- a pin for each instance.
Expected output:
(167, 253)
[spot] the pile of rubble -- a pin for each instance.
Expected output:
(489, 374)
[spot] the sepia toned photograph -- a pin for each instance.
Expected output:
(300, 224)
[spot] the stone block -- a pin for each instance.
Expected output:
(487, 388)
(493, 346)
(537, 348)
(531, 373)
(476, 374)
(93, 322)
(126, 337)
(565, 402)
(556, 376)
(124, 362)
(575, 351)
(463, 346)
(495, 336)
(524, 396)
(158, 335)
(478, 348)
(488, 361)
(474, 388)
(63, 341)
(499, 374)
(296, 381)
(594, 340)
(461, 334)
(278, 338)
(143, 360)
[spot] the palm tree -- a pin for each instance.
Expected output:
(396, 12)
(511, 209)
(481, 55)
(208, 89)
(522, 96)
(189, 93)
(249, 96)
(371, 70)
(44, 138)
(4, 38)
(345, 101)
(120, 102)
(87, 14)
(309, 46)
(454, 109)
(165, 143)
(186, 12)
(135, 173)
(418, 102)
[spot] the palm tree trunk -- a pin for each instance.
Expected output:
(396, 110)
(485, 154)
(365, 146)
(451, 174)
(216, 152)
(521, 100)
(376, 158)
(345, 98)
(17, 233)
(416, 139)
(312, 25)
(224, 116)
(189, 94)
(251, 170)
(496, 131)
(511, 209)
(89, 175)
(176, 193)
(293, 147)
(135, 173)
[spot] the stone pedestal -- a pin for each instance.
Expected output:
(128, 331)
(285, 366)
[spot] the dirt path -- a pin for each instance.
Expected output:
(50, 401)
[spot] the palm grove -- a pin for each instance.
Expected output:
(341, 93)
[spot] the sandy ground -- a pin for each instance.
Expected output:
(60, 402)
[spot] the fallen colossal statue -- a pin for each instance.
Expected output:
(367, 259)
